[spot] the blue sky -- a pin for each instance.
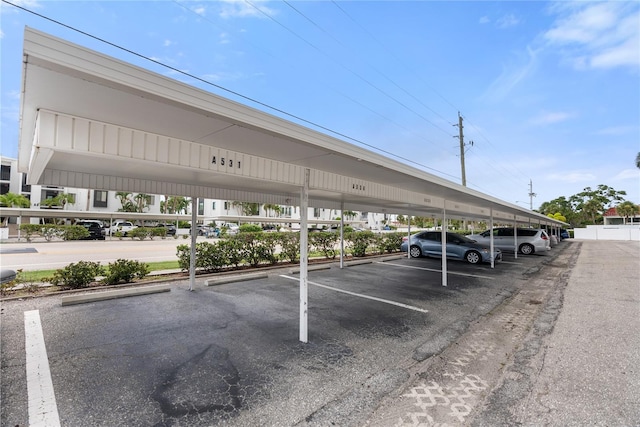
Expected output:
(549, 91)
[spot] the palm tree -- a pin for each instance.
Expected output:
(627, 210)
(638, 161)
(142, 201)
(12, 200)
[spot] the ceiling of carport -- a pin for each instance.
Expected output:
(92, 121)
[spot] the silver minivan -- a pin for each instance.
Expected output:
(530, 240)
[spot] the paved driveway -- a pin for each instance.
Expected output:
(230, 355)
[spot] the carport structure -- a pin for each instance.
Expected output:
(92, 121)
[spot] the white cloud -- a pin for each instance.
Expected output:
(484, 20)
(598, 35)
(511, 76)
(628, 174)
(28, 4)
(547, 118)
(168, 43)
(507, 21)
(243, 9)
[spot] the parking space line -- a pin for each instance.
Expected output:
(399, 304)
(434, 270)
(43, 410)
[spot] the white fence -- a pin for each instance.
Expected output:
(608, 232)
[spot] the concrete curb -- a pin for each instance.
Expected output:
(119, 293)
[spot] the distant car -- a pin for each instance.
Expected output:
(564, 234)
(429, 243)
(530, 240)
(171, 229)
(121, 226)
(94, 228)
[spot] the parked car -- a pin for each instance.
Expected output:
(530, 240)
(429, 243)
(564, 234)
(208, 231)
(171, 229)
(121, 226)
(94, 228)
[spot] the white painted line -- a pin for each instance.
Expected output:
(43, 410)
(399, 304)
(435, 270)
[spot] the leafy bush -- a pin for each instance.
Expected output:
(158, 232)
(29, 230)
(392, 241)
(360, 242)
(140, 233)
(73, 232)
(249, 228)
(324, 242)
(253, 248)
(49, 231)
(124, 271)
(289, 246)
(78, 275)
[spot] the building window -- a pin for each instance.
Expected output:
(100, 198)
(200, 207)
(213, 206)
(26, 188)
(226, 206)
(316, 212)
(5, 175)
(151, 200)
(4, 188)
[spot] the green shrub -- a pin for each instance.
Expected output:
(49, 231)
(253, 248)
(73, 232)
(360, 242)
(140, 233)
(249, 228)
(78, 275)
(29, 230)
(289, 246)
(158, 232)
(233, 249)
(392, 241)
(212, 256)
(324, 242)
(124, 271)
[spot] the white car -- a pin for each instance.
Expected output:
(121, 226)
(530, 240)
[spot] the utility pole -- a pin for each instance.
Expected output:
(462, 145)
(461, 136)
(531, 194)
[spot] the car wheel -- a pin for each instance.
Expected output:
(473, 257)
(415, 252)
(527, 249)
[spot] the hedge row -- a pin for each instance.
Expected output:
(82, 273)
(77, 232)
(254, 249)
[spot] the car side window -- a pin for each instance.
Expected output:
(506, 232)
(486, 233)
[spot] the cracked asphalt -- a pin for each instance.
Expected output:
(488, 352)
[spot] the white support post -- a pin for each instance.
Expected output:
(515, 237)
(444, 247)
(341, 234)
(409, 236)
(304, 260)
(194, 235)
(491, 245)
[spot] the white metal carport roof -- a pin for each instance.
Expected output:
(92, 121)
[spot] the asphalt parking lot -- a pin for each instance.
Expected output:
(230, 355)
